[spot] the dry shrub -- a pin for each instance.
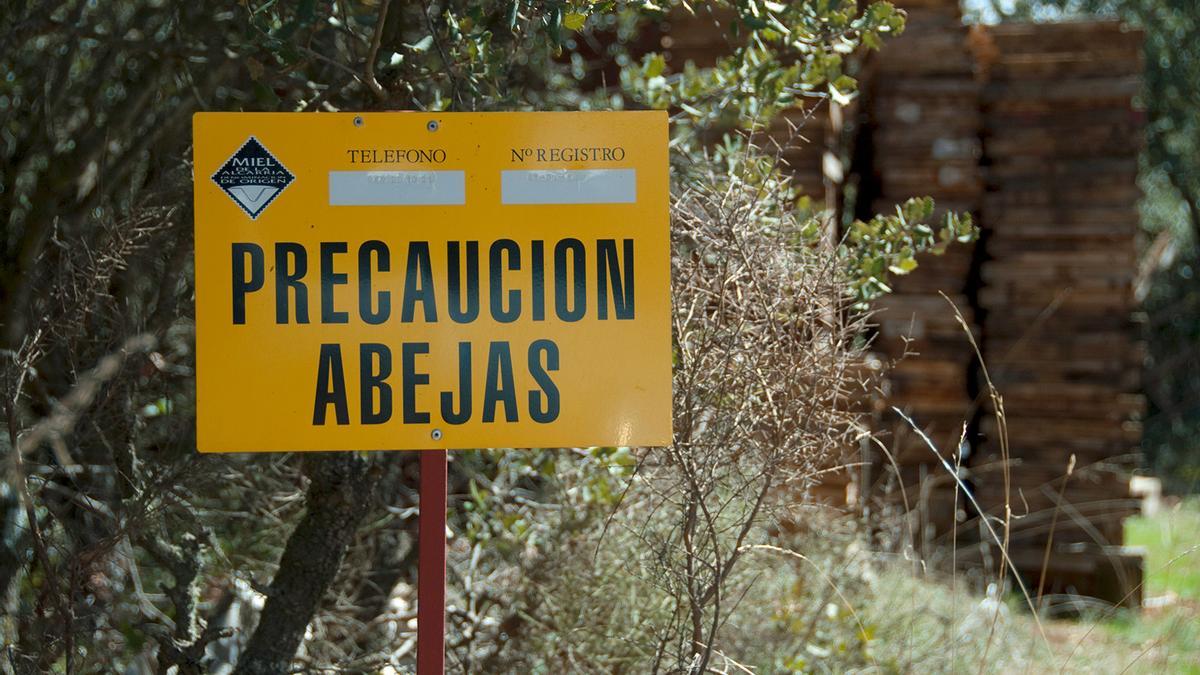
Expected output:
(766, 352)
(765, 378)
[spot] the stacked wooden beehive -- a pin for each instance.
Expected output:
(1060, 216)
(1046, 291)
(924, 124)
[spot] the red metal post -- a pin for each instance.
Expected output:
(431, 566)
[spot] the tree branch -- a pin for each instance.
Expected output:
(342, 487)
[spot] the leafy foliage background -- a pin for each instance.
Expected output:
(122, 549)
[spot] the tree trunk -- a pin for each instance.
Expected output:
(395, 558)
(339, 495)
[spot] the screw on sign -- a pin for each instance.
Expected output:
(387, 281)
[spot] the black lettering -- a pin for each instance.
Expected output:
(242, 285)
(578, 279)
(496, 274)
(383, 263)
(371, 380)
(449, 415)
(608, 269)
(549, 412)
(331, 386)
(411, 378)
(418, 263)
(458, 314)
(285, 279)
(329, 279)
(498, 385)
(537, 265)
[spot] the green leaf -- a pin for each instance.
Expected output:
(838, 97)
(574, 21)
(903, 266)
(655, 66)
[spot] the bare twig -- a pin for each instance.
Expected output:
(373, 54)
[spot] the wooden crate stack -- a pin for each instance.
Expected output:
(1060, 215)
(923, 133)
(1044, 111)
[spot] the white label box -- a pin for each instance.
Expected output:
(568, 186)
(397, 188)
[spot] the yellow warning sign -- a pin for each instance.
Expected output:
(384, 281)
